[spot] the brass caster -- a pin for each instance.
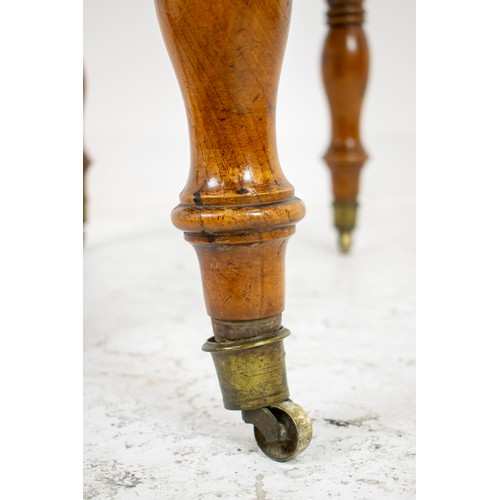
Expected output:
(345, 241)
(252, 377)
(282, 430)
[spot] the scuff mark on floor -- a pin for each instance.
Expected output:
(259, 490)
(354, 421)
(126, 480)
(368, 481)
(110, 478)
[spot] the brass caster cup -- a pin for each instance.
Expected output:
(344, 215)
(251, 372)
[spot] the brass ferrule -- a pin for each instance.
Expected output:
(225, 330)
(251, 372)
(344, 213)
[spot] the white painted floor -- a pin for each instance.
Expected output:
(155, 427)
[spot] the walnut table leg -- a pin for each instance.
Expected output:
(237, 209)
(345, 73)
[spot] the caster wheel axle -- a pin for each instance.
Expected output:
(267, 424)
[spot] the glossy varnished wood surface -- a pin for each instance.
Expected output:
(227, 56)
(237, 208)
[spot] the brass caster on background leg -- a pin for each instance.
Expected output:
(344, 216)
(282, 431)
(345, 241)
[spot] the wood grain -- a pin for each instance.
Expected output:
(237, 208)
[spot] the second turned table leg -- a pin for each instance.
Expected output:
(345, 74)
(237, 209)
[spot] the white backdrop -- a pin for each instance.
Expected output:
(135, 125)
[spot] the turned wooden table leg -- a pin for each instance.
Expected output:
(237, 209)
(86, 164)
(345, 74)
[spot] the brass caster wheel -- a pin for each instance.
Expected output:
(345, 241)
(282, 431)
